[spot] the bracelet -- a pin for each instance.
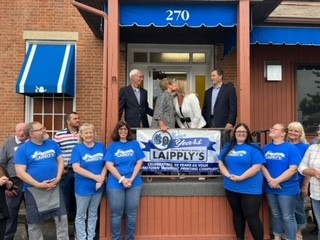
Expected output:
(121, 179)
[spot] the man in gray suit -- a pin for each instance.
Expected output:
(133, 102)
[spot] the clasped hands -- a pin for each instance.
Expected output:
(99, 181)
(127, 183)
(273, 183)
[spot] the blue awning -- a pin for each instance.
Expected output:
(48, 69)
(178, 15)
(285, 35)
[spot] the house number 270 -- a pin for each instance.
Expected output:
(176, 15)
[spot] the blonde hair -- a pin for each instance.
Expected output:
(164, 83)
(84, 127)
(183, 87)
(298, 126)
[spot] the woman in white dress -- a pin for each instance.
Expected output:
(187, 107)
(188, 110)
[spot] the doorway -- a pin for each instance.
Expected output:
(157, 74)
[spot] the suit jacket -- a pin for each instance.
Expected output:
(225, 108)
(190, 109)
(134, 113)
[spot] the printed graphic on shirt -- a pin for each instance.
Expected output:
(38, 155)
(127, 153)
(274, 155)
(93, 158)
(234, 153)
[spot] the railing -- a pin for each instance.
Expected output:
(261, 137)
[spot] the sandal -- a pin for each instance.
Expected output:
(299, 236)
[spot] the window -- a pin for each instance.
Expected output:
(140, 57)
(308, 99)
(50, 111)
(167, 57)
(49, 105)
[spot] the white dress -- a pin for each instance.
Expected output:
(190, 109)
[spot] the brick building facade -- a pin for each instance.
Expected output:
(52, 21)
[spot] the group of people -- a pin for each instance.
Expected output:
(281, 170)
(51, 176)
(64, 177)
(177, 105)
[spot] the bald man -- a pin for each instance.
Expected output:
(14, 197)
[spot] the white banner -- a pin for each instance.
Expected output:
(180, 150)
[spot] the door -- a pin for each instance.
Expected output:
(157, 74)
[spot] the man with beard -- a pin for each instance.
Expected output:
(39, 164)
(67, 138)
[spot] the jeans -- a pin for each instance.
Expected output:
(246, 208)
(13, 207)
(283, 218)
(316, 211)
(87, 209)
(35, 231)
(300, 213)
(124, 201)
(67, 188)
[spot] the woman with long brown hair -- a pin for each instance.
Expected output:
(240, 162)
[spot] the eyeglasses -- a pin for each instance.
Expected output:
(40, 129)
(123, 129)
(241, 132)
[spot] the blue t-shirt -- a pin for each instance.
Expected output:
(91, 159)
(124, 156)
(240, 159)
(302, 148)
(40, 160)
(278, 159)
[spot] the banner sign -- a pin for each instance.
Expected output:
(180, 150)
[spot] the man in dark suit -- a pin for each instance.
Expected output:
(220, 103)
(134, 102)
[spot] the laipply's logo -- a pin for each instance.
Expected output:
(274, 155)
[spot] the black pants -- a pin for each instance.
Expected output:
(2, 228)
(246, 207)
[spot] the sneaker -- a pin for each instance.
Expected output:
(201, 178)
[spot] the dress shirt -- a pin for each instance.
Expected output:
(215, 92)
(137, 92)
